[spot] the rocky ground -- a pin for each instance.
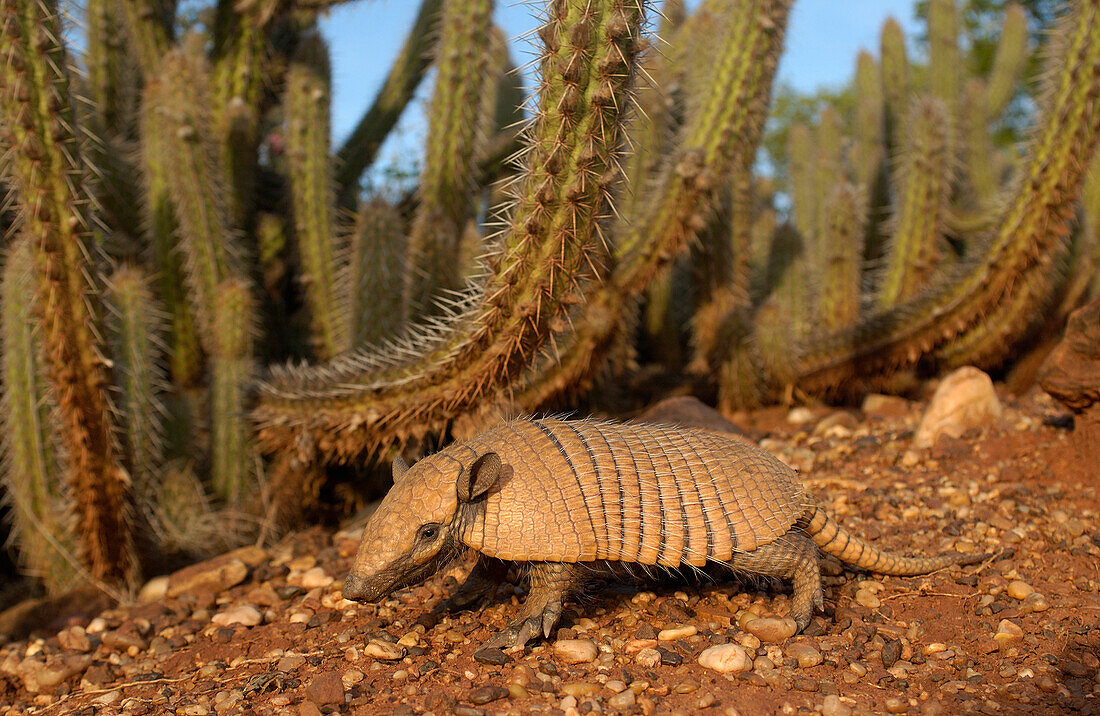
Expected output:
(267, 630)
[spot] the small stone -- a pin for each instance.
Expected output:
(108, 698)
(312, 579)
(580, 690)
(674, 633)
(1008, 633)
(1018, 589)
(866, 598)
(517, 691)
(290, 662)
(838, 424)
(576, 651)
(487, 694)
(725, 659)
(153, 590)
(669, 657)
(1034, 602)
(352, 677)
(891, 652)
(894, 705)
(326, 689)
(74, 639)
(212, 576)
(804, 654)
(243, 614)
(800, 416)
(648, 658)
(965, 399)
(493, 657)
(384, 650)
(622, 700)
(772, 630)
(833, 706)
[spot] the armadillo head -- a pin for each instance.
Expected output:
(413, 533)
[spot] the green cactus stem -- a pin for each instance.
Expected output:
(372, 399)
(845, 217)
(944, 61)
(358, 152)
(135, 329)
(375, 274)
(895, 81)
(1008, 63)
(232, 372)
(447, 183)
(33, 467)
(306, 105)
(923, 181)
(38, 128)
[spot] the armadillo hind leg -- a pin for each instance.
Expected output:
(795, 557)
(551, 583)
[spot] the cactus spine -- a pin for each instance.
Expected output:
(39, 125)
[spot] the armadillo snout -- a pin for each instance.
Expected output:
(358, 589)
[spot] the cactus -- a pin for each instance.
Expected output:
(840, 285)
(895, 80)
(47, 173)
(554, 229)
(374, 276)
(306, 108)
(447, 183)
(359, 150)
(1032, 229)
(33, 467)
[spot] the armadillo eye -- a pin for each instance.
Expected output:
(428, 532)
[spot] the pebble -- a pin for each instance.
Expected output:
(1018, 589)
(243, 614)
(580, 690)
(833, 706)
(1008, 633)
(806, 655)
(772, 630)
(384, 650)
(312, 578)
(895, 705)
(891, 652)
(327, 688)
(38, 676)
(576, 651)
(352, 677)
(493, 657)
(648, 658)
(800, 416)
(487, 694)
(212, 576)
(74, 639)
(1034, 602)
(622, 700)
(153, 590)
(867, 598)
(965, 399)
(725, 659)
(674, 633)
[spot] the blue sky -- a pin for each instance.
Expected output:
(823, 38)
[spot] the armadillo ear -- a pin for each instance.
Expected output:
(400, 467)
(481, 476)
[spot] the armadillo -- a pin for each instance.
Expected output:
(571, 499)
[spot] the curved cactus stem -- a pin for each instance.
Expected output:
(305, 105)
(358, 152)
(1033, 228)
(1008, 63)
(373, 398)
(40, 132)
(33, 469)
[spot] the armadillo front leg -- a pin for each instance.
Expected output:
(551, 583)
(795, 557)
(481, 584)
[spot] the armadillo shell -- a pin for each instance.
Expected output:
(581, 491)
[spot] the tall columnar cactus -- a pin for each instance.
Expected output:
(945, 62)
(34, 465)
(371, 399)
(135, 334)
(38, 129)
(306, 105)
(374, 274)
(447, 184)
(840, 284)
(1032, 229)
(895, 80)
(923, 183)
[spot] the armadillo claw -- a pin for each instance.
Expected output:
(516, 635)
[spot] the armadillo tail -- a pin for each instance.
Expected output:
(838, 542)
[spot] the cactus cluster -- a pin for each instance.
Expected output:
(192, 223)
